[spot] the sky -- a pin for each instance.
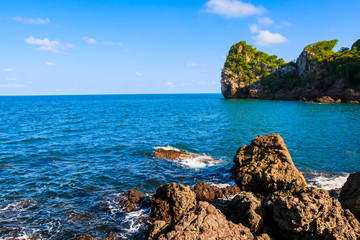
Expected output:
(151, 46)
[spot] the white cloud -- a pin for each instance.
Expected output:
(50, 63)
(265, 21)
(112, 43)
(170, 84)
(11, 79)
(8, 70)
(31, 20)
(267, 38)
(89, 40)
(12, 85)
(139, 74)
(254, 28)
(47, 45)
(194, 64)
(233, 8)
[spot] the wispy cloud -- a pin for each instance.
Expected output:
(50, 46)
(50, 63)
(8, 70)
(254, 28)
(267, 38)
(31, 20)
(11, 79)
(89, 40)
(265, 21)
(194, 64)
(12, 85)
(112, 43)
(170, 84)
(139, 74)
(233, 8)
(285, 23)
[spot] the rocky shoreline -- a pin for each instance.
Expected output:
(271, 200)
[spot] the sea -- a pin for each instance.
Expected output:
(64, 160)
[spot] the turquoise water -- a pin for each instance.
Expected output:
(64, 159)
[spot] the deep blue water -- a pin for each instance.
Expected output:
(63, 159)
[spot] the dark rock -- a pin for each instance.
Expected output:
(206, 192)
(205, 222)
(311, 214)
(335, 192)
(266, 166)
(132, 200)
(88, 237)
(171, 201)
(246, 209)
(350, 194)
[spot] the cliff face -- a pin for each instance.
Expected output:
(319, 74)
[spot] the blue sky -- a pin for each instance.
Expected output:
(153, 46)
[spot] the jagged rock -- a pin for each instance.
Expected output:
(171, 201)
(266, 166)
(156, 228)
(304, 62)
(325, 99)
(132, 200)
(311, 214)
(245, 208)
(263, 236)
(205, 222)
(206, 192)
(350, 194)
(172, 154)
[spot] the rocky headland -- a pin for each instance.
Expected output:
(318, 74)
(271, 200)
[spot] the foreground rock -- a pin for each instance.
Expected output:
(133, 200)
(204, 222)
(245, 208)
(171, 201)
(266, 166)
(206, 192)
(311, 214)
(350, 194)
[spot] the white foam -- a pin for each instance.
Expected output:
(198, 162)
(328, 183)
(167, 147)
(133, 223)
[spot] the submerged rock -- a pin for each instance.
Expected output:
(171, 201)
(206, 192)
(350, 194)
(172, 154)
(266, 166)
(246, 209)
(311, 214)
(133, 200)
(205, 222)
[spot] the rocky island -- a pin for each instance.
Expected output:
(319, 74)
(271, 201)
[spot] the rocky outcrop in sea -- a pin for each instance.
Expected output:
(271, 201)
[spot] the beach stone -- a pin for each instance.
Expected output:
(205, 222)
(132, 200)
(350, 194)
(266, 166)
(206, 192)
(173, 154)
(171, 201)
(246, 209)
(311, 214)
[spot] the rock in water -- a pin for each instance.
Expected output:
(172, 154)
(311, 214)
(246, 209)
(171, 201)
(266, 166)
(206, 192)
(132, 200)
(350, 194)
(205, 222)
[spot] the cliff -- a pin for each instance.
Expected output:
(319, 74)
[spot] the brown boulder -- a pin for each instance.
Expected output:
(172, 154)
(325, 99)
(205, 222)
(171, 201)
(266, 166)
(246, 209)
(132, 200)
(350, 194)
(263, 236)
(311, 214)
(206, 192)
(88, 237)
